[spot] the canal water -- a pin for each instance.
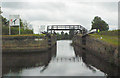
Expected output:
(62, 60)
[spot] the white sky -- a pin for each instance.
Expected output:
(43, 12)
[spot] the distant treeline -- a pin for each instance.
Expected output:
(15, 30)
(62, 36)
(65, 36)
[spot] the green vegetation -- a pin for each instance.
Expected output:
(15, 30)
(65, 36)
(24, 35)
(100, 24)
(111, 37)
(110, 33)
(62, 36)
(71, 33)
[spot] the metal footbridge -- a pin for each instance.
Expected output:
(67, 59)
(66, 27)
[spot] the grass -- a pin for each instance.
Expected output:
(24, 35)
(110, 33)
(106, 37)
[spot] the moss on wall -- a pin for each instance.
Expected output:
(99, 48)
(25, 43)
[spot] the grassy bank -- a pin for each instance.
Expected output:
(32, 42)
(110, 37)
(24, 35)
(26, 43)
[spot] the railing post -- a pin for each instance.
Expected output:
(51, 29)
(47, 29)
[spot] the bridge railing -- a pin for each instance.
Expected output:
(66, 27)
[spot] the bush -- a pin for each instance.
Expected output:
(5, 30)
(15, 30)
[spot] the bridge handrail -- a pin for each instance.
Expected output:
(66, 27)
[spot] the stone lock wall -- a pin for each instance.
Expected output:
(26, 43)
(101, 49)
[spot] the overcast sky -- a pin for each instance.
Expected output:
(47, 12)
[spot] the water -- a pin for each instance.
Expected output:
(65, 60)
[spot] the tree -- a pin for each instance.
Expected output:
(5, 22)
(21, 23)
(66, 36)
(100, 24)
(71, 33)
(15, 30)
(62, 34)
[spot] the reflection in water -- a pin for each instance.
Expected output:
(92, 62)
(61, 60)
(16, 62)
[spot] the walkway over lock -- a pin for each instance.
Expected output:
(67, 59)
(66, 27)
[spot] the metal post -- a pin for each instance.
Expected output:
(19, 25)
(47, 29)
(9, 30)
(51, 31)
(19, 29)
